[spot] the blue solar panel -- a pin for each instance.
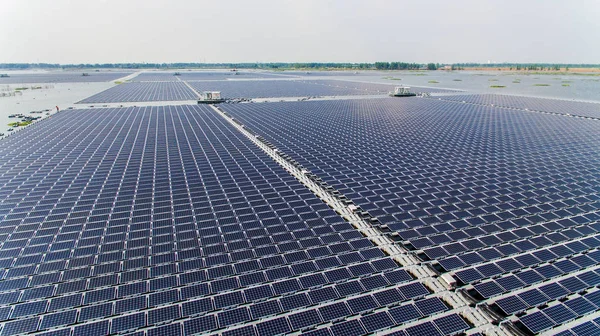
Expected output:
(559, 314)
(451, 324)
(537, 322)
(586, 329)
(167, 219)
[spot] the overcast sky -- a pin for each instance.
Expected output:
(98, 31)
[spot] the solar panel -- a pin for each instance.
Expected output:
(586, 329)
(537, 322)
(200, 324)
(167, 330)
(377, 321)
(426, 328)
(580, 306)
(273, 327)
(559, 314)
(362, 304)
(451, 324)
(554, 291)
(20, 327)
(488, 289)
(234, 316)
(431, 306)
(304, 319)
(352, 327)
(405, 313)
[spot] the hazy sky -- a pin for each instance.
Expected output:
(98, 31)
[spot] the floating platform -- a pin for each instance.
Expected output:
(410, 94)
(210, 97)
(402, 91)
(210, 101)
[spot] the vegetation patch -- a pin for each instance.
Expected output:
(517, 81)
(573, 73)
(118, 82)
(566, 84)
(20, 123)
(492, 80)
(539, 84)
(497, 86)
(433, 81)
(21, 88)
(392, 78)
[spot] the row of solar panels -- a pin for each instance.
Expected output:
(325, 137)
(61, 77)
(574, 108)
(179, 91)
(140, 92)
(259, 266)
(184, 129)
(164, 76)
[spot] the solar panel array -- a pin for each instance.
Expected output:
(484, 192)
(276, 88)
(575, 108)
(201, 75)
(330, 73)
(376, 87)
(62, 77)
(589, 328)
(143, 92)
(168, 221)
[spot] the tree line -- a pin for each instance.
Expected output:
(527, 66)
(282, 65)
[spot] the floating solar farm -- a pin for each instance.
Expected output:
(576, 108)
(444, 215)
(62, 77)
(149, 87)
(277, 88)
(167, 214)
(143, 92)
(204, 75)
(375, 87)
(482, 192)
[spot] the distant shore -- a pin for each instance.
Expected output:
(562, 71)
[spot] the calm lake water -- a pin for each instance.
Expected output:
(580, 87)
